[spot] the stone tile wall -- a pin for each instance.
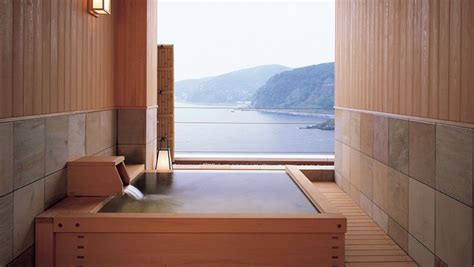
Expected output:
(137, 133)
(33, 157)
(414, 178)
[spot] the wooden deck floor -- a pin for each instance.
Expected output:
(366, 243)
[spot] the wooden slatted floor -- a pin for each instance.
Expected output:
(366, 243)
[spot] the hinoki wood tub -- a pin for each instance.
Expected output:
(197, 218)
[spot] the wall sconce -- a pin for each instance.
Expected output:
(163, 162)
(99, 7)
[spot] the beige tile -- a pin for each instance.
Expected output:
(108, 125)
(345, 126)
(422, 152)
(381, 139)
(454, 162)
(135, 154)
(338, 156)
(398, 234)
(6, 229)
(28, 202)
(422, 213)
(420, 254)
(366, 175)
(355, 130)
(55, 188)
(6, 158)
(28, 151)
(151, 124)
(355, 168)
(131, 126)
(380, 217)
(453, 231)
(56, 144)
(355, 195)
(337, 124)
(398, 144)
(398, 197)
(93, 135)
(366, 204)
(346, 161)
(338, 179)
(346, 186)
(367, 134)
(380, 185)
(77, 136)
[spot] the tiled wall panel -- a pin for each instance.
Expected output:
(33, 171)
(425, 203)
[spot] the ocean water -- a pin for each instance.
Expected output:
(203, 129)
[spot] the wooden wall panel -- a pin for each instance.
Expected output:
(433, 59)
(28, 66)
(455, 60)
(6, 58)
(417, 32)
(385, 56)
(408, 98)
(54, 57)
(79, 38)
(46, 56)
(38, 57)
(425, 57)
(403, 57)
(467, 63)
(47, 65)
(443, 59)
(135, 53)
(18, 28)
(409, 57)
(152, 53)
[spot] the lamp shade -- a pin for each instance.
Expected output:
(163, 162)
(99, 7)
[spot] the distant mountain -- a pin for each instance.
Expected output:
(230, 88)
(307, 87)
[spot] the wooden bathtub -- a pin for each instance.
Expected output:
(99, 231)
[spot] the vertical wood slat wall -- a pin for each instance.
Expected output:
(166, 94)
(54, 57)
(135, 43)
(408, 57)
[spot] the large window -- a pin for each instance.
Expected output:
(252, 77)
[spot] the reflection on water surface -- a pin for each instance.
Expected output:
(214, 192)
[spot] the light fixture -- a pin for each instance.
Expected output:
(99, 7)
(163, 163)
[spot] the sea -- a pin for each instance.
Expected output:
(236, 129)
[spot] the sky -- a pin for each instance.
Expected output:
(216, 37)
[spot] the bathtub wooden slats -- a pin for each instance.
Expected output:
(75, 234)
